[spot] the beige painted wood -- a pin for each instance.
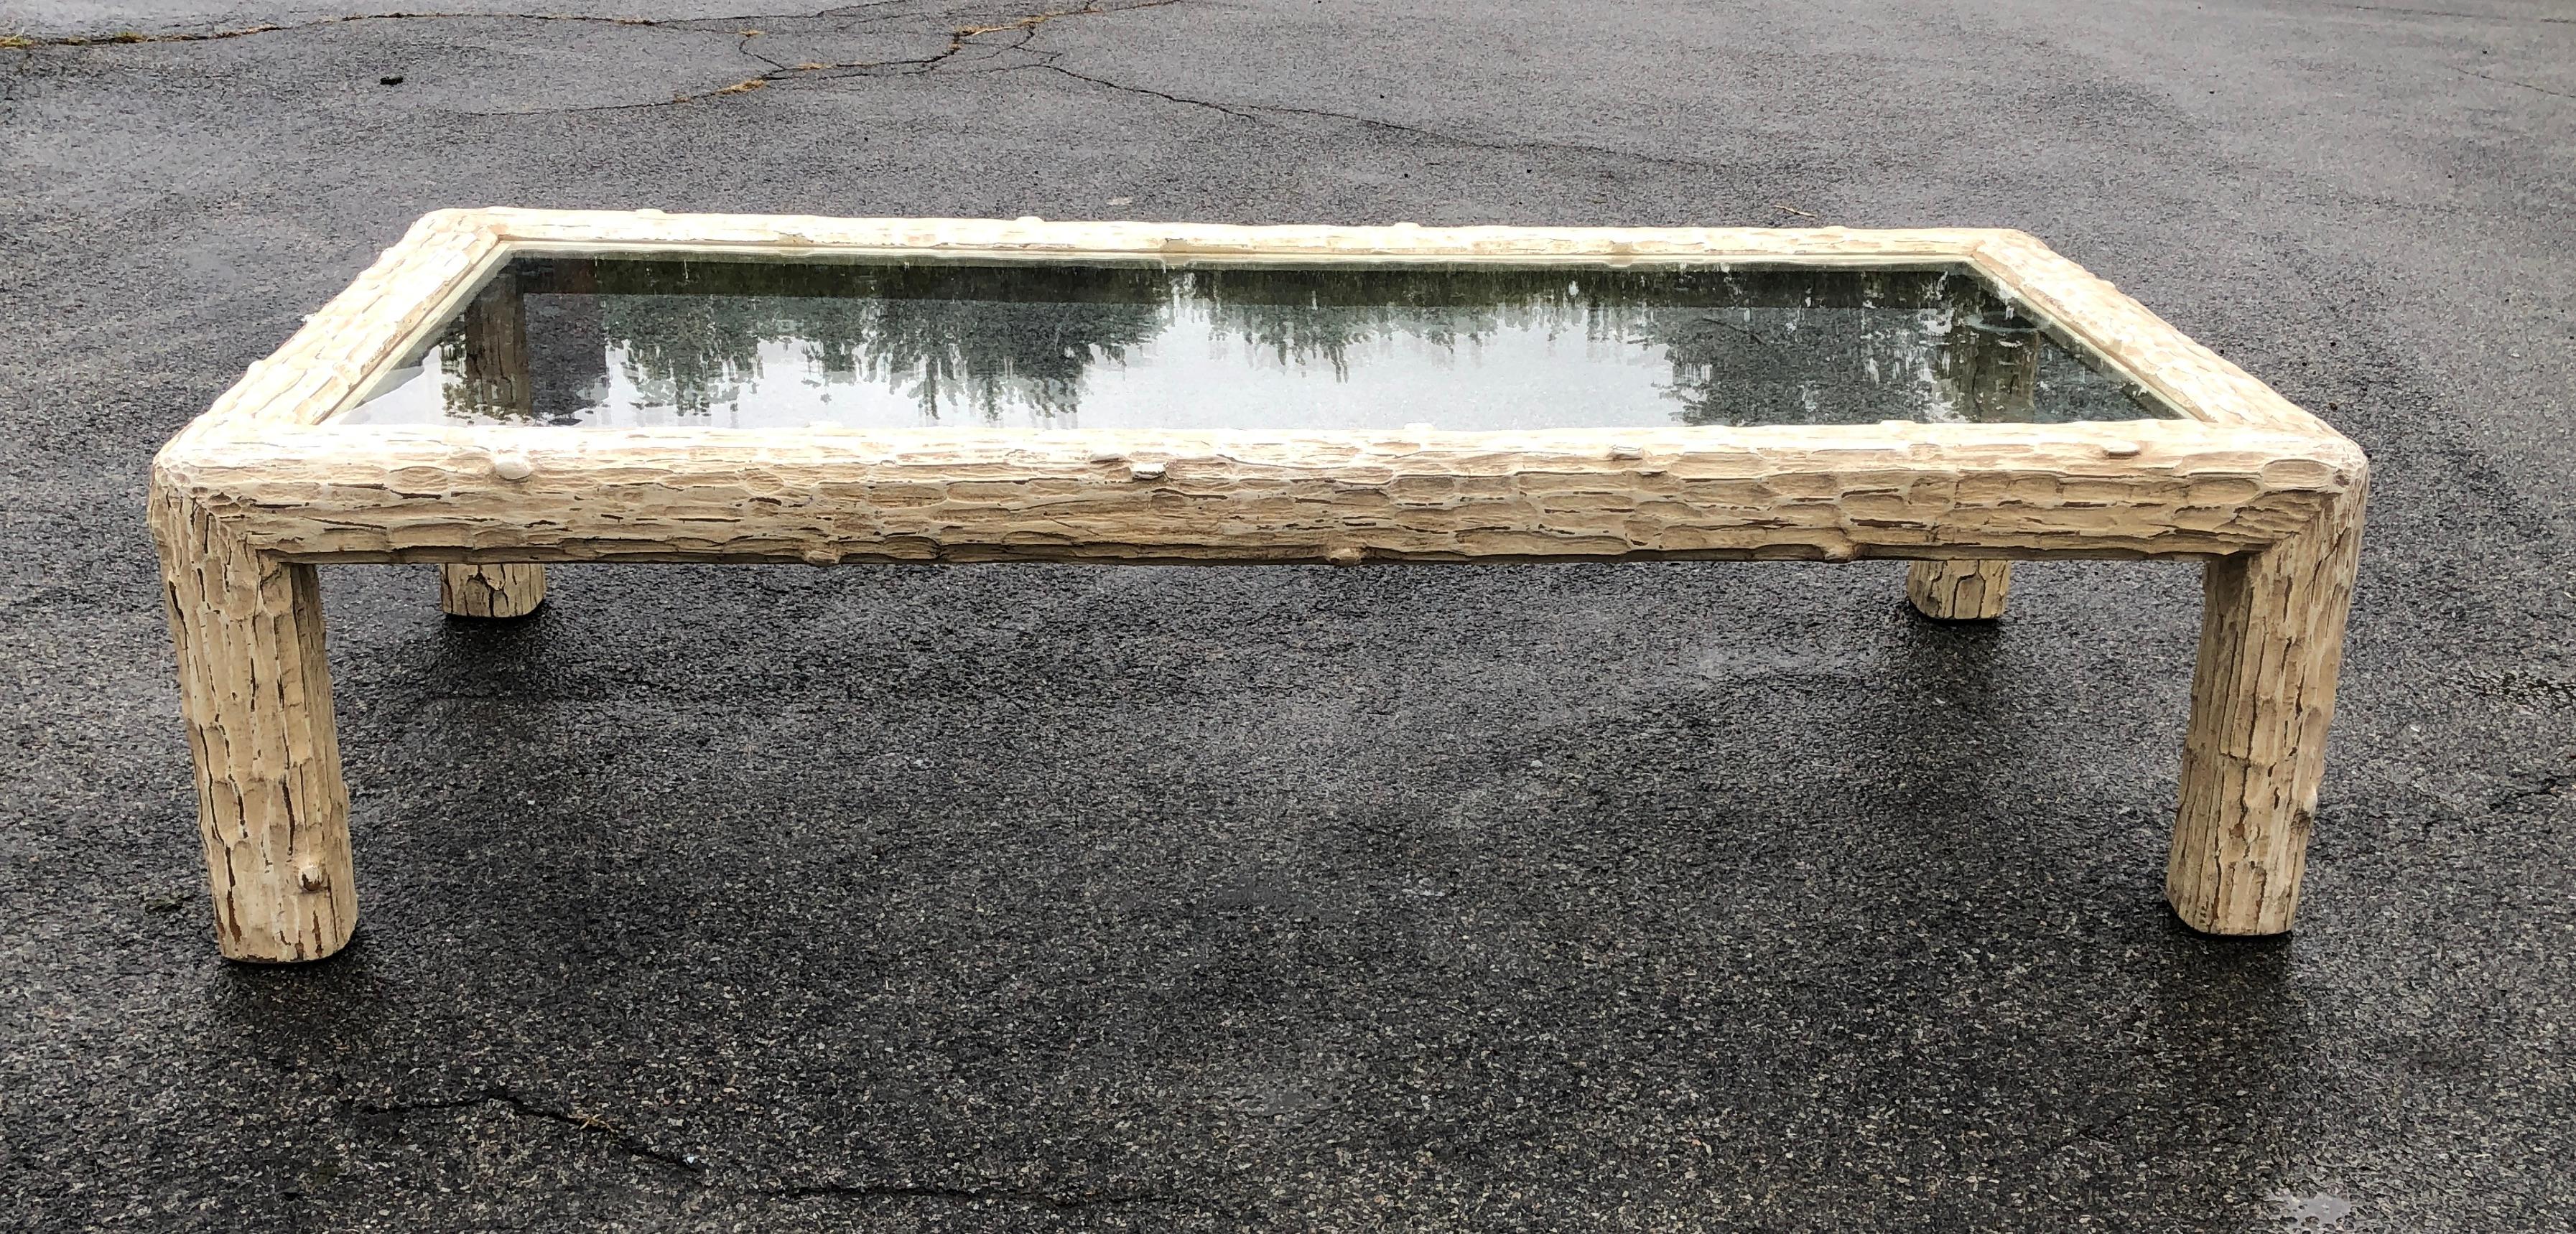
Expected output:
(256, 695)
(2262, 697)
(1963, 590)
(272, 486)
(2162, 358)
(2137, 490)
(491, 589)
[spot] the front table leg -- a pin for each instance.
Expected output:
(2271, 643)
(257, 697)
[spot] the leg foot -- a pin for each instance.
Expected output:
(1961, 590)
(491, 590)
(256, 693)
(2271, 644)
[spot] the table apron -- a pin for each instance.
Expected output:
(1170, 527)
(438, 502)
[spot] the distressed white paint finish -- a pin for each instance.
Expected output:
(2271, 644)
(255, 691)
(1959, 590)
(491, 589)
(262, 487)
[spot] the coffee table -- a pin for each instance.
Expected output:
(509, 388)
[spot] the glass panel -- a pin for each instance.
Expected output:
(877, 343)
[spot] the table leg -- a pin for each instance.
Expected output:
(256, 694)
(2271, 643)
(1991, 372)
(1963, 590)
(479, 590)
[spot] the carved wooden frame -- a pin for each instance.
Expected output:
(253, 494)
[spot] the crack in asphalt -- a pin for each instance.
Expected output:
(1475, 143)
(2523, 687)
(960, 40)
(1051, 66)
(2546, 787)
(503, 1097)
(744, 47)
(690, 1165)
(20, 84)
(2413, 12)
(128, 37)
(963, 1195)
(1246, 110)
(2507, 81)
(241, 32)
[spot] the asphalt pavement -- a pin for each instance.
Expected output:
(1021, 898)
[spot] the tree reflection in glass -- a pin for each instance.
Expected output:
(1027, 344)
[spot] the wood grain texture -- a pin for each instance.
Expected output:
(255, 692)
(1938, 491)
(2262, 697)
(1959, 590)
(491, 589)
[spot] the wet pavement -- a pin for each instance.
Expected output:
(1687, 896)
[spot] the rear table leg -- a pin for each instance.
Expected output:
(256, 694)
(478, 590)
(1962, 590)
(1989, 373)
(500, 379)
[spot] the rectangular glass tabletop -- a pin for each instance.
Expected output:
(884, 343)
